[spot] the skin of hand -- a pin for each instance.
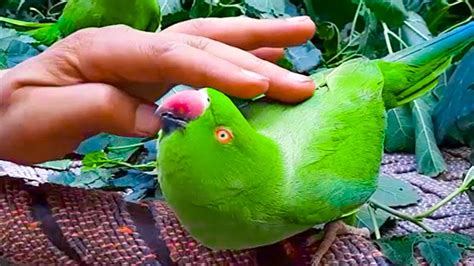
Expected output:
(107, 79)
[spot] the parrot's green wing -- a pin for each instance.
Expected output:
(79, 14)
(316, 135)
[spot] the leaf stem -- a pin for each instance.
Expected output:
(239, 7)
(354, 23)
(134, 145)
(400, 215)
(135, 166)
(457, 25)
(387, 38)
(440, 204)
(416, 30)
(397, 38)
(455, 3)
(374, 222)
(124, 147)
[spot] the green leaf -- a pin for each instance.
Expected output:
(172, 11)
(440, 15)
(392, 192)
(268, 6)
(400, 131)
(18, 52)
(371, 42)
(9, 35)
(363, 218)
(216, 8)
(339, 12)
(329, 33)
(392, 12)
(429, 159)
(65, 178)
(101, 142)
(395, 192)
(56, 165)
(92, 179)
(453, 116)
(15, 48)
(170, 6)
(399, 250)
(123, 153)
(303, 58)
(96, 160)
(421, 32)
(93, 144)
(436, 248)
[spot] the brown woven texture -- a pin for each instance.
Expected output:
(100, 229)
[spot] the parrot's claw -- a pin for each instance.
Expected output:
(331, 231)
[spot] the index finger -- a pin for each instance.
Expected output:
(248, 33)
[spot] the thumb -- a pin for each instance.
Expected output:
(50, 122)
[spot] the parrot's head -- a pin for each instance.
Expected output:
(209, 149)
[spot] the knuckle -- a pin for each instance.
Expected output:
(80, 38)
(164, 49)
(107, 98)
(198, 42)
(260, 64)
(196, 25)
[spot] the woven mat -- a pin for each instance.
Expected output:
(456, 216)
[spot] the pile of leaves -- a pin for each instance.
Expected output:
(346, 29)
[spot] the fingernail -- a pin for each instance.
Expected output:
(255, 75)
(146, 122)
(297, 19)
(299, 78)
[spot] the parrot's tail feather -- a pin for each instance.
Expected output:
(25, 24)
(412, 72)
(43, 33)
(46, 35)
(423, 86)
(440, 46)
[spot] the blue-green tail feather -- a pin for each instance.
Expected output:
(44, 33)
(412, 72)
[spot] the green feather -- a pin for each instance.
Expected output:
(79, 14)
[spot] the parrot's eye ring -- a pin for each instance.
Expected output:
(223, 135)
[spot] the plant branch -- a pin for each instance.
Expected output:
(416, 30)
(400, 215)
(457, 24)
(387, 38)
(398, 38)
(349, 43)
(374, 222)
(440, 204)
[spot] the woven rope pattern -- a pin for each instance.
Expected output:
(101, 231)
(20, 236)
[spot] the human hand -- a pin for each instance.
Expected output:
(106, 79)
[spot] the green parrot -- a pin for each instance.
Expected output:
(78, 14)
(250, 177)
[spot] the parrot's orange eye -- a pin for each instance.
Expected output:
(223, 135)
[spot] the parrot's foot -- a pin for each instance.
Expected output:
(331, 231)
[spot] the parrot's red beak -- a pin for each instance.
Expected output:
(182, 107)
